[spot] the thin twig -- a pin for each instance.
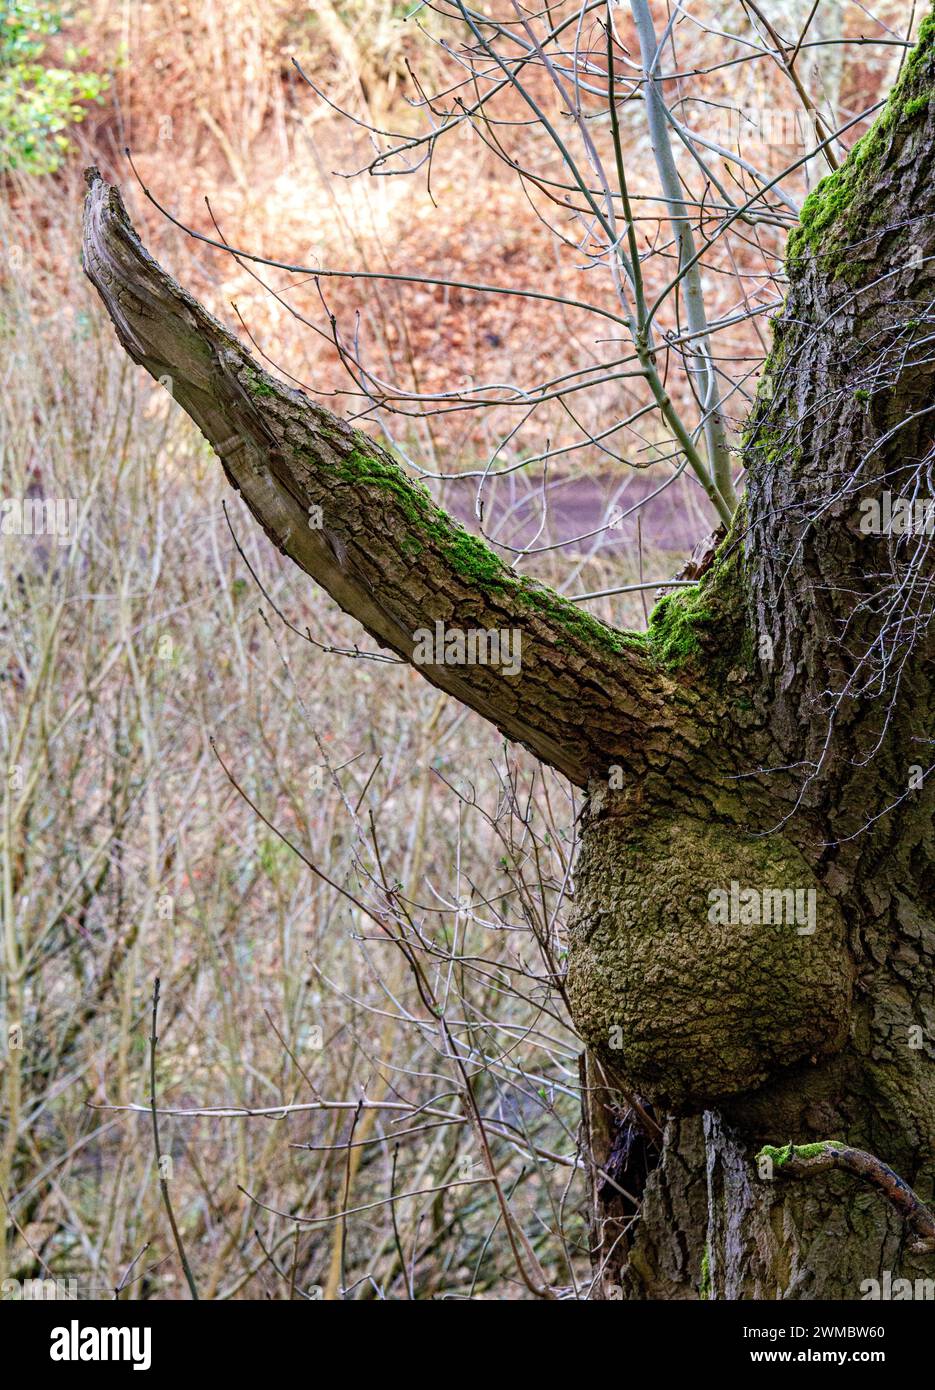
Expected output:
(164, 1182)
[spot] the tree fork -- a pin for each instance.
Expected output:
(742, 1039)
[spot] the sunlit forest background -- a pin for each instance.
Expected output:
(207, 779)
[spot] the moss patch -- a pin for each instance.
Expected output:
(829, 208)
(676, 626)
(917, 104)
(781, 1156)
(576, 620)
(471, 558)
(257, 385)
(467, 554)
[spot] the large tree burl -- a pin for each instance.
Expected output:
(690, 1011)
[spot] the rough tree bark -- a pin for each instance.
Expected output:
(765, 732)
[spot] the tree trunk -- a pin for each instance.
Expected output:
(840, 685)
(764, 742)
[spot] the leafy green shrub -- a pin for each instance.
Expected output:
(38, 102)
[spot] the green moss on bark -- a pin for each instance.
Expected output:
(257, 385)
(467, 554)
(781, 1156)
(702, 623)
(576, 621)
(471, 558)
(676, 627)
(690, 1008)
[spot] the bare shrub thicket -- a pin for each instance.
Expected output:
(139, 663)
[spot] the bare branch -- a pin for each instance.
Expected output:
(806, 1160)
(344, 510)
